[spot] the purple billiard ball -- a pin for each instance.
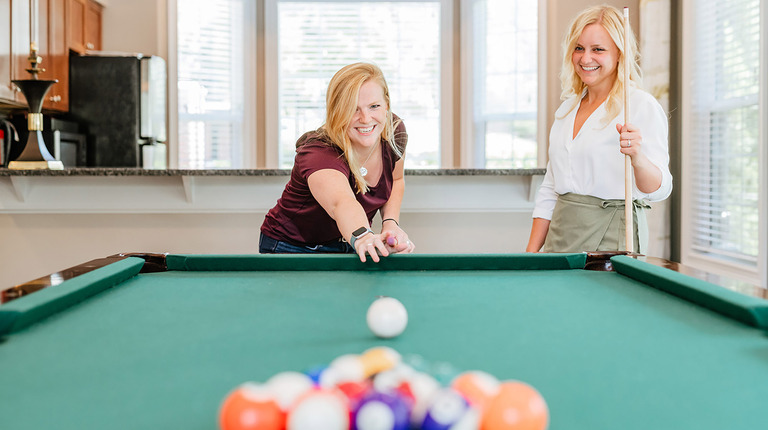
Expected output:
(447, 407)
(379, 410)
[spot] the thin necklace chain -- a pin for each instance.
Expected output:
(363, 170)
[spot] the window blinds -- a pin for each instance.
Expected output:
(725, 146)
(211, 83)
(506, 83)
(316, 39)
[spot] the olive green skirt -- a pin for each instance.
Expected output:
(584, 223)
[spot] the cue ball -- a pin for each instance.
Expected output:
(387, 317)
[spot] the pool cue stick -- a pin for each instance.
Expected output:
(629, 223)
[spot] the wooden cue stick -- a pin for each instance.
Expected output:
(629, 224)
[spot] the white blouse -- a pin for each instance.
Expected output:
(591, 163)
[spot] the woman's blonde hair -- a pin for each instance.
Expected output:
(613, 22)
(341, 105)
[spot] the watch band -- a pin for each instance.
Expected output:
(357, 234)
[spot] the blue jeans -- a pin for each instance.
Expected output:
(268, 245)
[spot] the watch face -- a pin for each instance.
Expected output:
(359, 231)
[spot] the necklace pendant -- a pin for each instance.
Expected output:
(363, 171)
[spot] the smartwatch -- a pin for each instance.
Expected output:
(357, 234)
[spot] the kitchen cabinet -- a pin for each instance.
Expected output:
(64, 26)
(56, 60)
(53, 49)
(84, 25)
(92, 32)
(76, 25)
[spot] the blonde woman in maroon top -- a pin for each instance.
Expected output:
(344, 173)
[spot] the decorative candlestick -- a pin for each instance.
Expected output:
(35, 155)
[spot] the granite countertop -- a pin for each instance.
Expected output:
(132, 171)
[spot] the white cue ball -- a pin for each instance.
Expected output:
(387, 317)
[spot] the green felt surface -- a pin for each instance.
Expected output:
(749, 310)
(161, 350)
(20, 314)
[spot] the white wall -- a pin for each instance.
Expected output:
(135, 26)
(50, 223)
(35, 245)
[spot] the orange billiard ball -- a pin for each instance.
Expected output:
(517, 406)
(477, 387)
(250, 407)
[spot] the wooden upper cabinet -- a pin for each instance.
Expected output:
(63, 26)
(57, 61)
(75, 25)
(93, 12)
(84, 25)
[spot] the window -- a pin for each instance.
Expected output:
(722, 155)
(315, 39)
(505, 70)
(220, 63)
(211, 83)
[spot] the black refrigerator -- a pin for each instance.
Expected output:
(120, 102)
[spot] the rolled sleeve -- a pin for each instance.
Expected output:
(546, 198)
(653, 123)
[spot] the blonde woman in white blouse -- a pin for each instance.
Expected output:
(580, 204)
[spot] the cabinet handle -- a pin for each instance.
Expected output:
(89, 45)
(55, 99)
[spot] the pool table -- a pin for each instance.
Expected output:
(157, 341)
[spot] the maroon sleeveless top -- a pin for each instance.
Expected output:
(298, 218)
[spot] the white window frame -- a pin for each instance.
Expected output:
(173, 86)
(250, 104)
(446, 80)
(456, 90)
(468, 148)
(688, 254)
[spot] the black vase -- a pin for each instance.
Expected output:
(35, 90)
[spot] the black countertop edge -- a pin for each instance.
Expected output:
(132, 171)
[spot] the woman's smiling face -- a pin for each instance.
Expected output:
(596, 58)
(367, 123)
